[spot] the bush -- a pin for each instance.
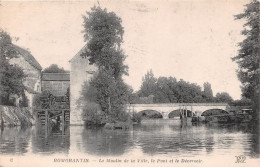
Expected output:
(93, 115)
(36, 99)
(24, 101)
(123, 116)
(137, 117)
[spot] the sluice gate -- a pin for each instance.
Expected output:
(54, 112)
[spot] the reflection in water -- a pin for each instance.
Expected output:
(252, 144)
(167, 136)
(106, 142)
(14, 140)
(152, 137)
(56, 141)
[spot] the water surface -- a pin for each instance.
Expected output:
(169, 138)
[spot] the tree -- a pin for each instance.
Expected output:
(11, 76)
(242, 102)
(223, 97)
(148, 86)
(163, 92)
(208, 94)
(54, 68)
(168, 90)
(248, 55)
(104, 33)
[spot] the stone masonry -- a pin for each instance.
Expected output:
(81, 71)
(56, 83)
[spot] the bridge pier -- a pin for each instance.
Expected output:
(165, 115)
(186, 109)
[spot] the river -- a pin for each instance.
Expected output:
(152, 138)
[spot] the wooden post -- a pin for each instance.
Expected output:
(180, 113)
(186, 112)
(37, 118)
(2, 121)
(45, 120)
(63, 121)
(183, 111)
(46, 123)
(191, 111)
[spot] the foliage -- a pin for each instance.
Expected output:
(242, 102)
(208, 94)
(248, 56)
(104, 33)
(91, 114)
(11, 76)
(111, 94)
(165, 90)
(136, 117)
(151, 114)
(24, 101)
(54, 68)
(68, 92)
(36, 103)
(148, 86)
(168, 90)
(223, 97)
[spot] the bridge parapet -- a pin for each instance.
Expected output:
(177, 104)
(166, 108)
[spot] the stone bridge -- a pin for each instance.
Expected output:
(166, 108)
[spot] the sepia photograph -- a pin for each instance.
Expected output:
(129, 83)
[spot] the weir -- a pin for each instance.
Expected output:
(54, 111)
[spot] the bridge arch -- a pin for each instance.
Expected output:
(214, 111)
(150, 113)
(177, 113)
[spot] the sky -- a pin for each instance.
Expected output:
(193, 40)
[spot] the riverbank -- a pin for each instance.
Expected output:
(15, 116)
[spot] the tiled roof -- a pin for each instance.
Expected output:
(28, 57)
(55, 76)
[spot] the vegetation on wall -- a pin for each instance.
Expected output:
(11, 76)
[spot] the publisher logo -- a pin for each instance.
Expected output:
(240, 159)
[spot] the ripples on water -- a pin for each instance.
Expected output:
(153, 137)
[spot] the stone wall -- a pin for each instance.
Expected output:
(32, 82)
(81, 71)
(57, 88)
(33, 75)
(15, 116)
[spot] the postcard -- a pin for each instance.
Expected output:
(129, 83)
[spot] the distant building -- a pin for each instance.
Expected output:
(32, 70)
(81, 71)
(56, 83)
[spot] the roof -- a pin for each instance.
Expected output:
(79, 53)
(28, 57)
(55, 76)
